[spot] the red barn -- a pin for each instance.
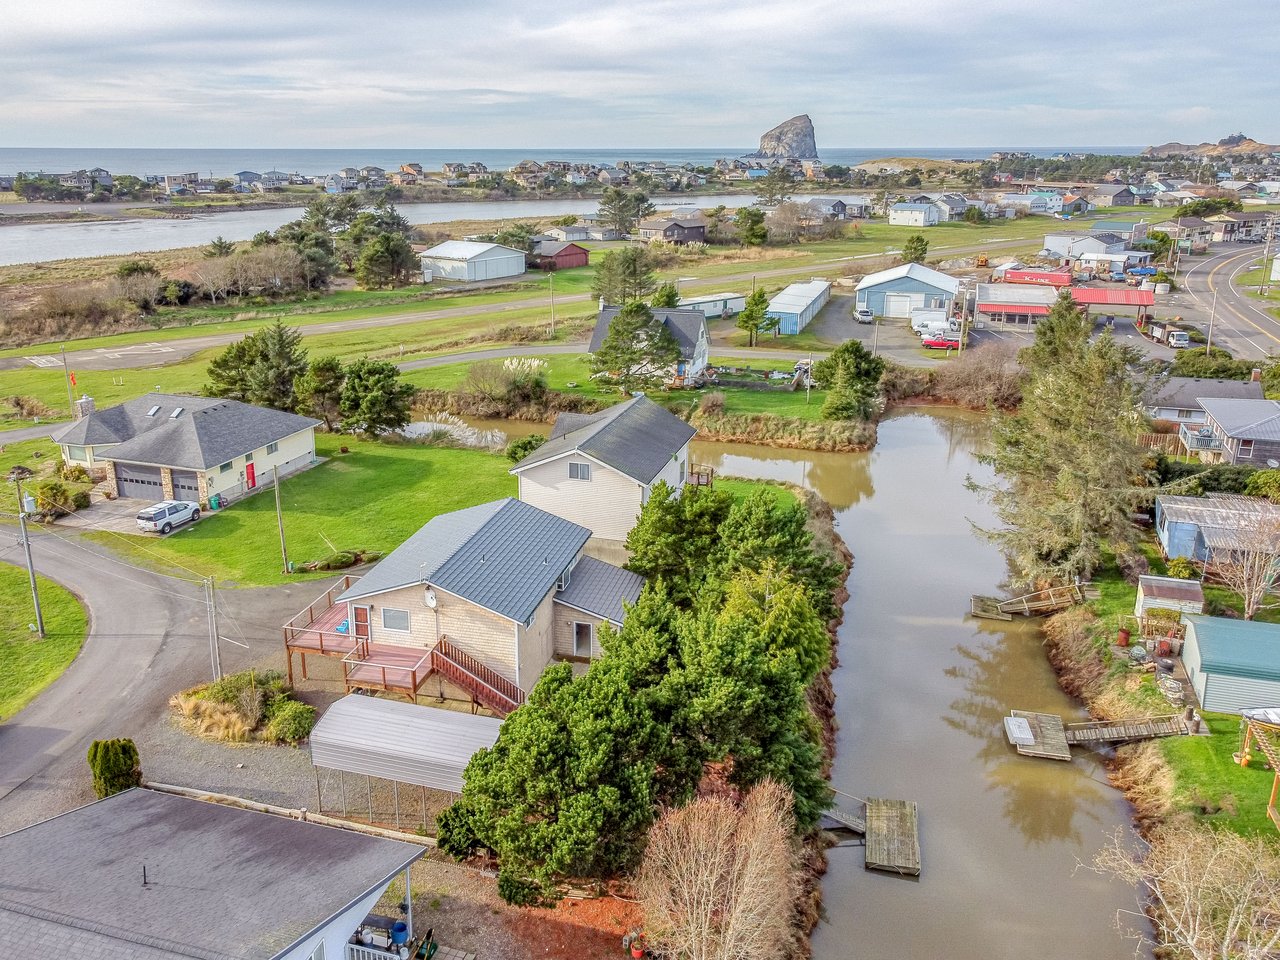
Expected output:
(549, 255)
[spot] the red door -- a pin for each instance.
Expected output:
(250, 481)
(361, 622)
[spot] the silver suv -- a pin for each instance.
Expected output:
(164, 516)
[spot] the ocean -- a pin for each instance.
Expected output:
(226, 162)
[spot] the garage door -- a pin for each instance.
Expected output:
(185, 485)
(897, 304)
(141, 482)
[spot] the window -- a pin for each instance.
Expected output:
(1246, 449)
(273, 446)
(177, 412)
(683, 470)
(77, 453)
(248, 458)
(1186, 414)
(225, 468)
(579, 471)
(564, 578)
(318, 952)
(582, 639)
(395, 619)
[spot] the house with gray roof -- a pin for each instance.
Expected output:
(505, 583)
(1177, 399)
(145, 875)
(598, 470)
(688, 326)
(175, 447)
(1236, 431)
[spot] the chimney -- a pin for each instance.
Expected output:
(84, 406)
(1255, 375)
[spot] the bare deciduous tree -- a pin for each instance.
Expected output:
(989, 375)
(1214, 895)
(719, 879)
(1250, 565)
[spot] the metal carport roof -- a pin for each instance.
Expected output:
(401, 742)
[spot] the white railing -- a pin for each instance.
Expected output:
(356, 951)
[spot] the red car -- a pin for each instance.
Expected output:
(941, 343)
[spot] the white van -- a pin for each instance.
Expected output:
(922, 318)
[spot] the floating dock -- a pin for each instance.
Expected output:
(891, 829)
(1046, 735)
(1032, 604)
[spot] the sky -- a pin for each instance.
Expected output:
(646, 73)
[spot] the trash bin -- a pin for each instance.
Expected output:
(215, 502)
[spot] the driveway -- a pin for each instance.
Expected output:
(117, 516)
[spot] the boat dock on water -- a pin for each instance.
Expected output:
(891, 829)
(1047, 735)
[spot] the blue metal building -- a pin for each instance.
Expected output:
(899, 290)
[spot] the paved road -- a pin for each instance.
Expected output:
(160, 352)
(1240, 323)
(148, 638)
(35, 432)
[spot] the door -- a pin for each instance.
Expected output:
(250, 478)
(185, 485)
(141, 482)
(360, 623)
(897, 304)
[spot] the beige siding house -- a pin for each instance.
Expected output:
(598, 470)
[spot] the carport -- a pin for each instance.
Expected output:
(402, 743)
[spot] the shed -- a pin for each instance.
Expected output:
(897, 291)
(471, 260)
(794, 306)
(560, 255)
(1192, 526)
(400, 742)
(1168, 593)
(1233, 665)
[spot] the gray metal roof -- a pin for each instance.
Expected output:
(601, 589)
(505, 556)
(1186, 392)
(686, 325)
(223, 883)
(637, 438)
(193, 433)
(1245, 419)
(1221, 512)
(400, 741)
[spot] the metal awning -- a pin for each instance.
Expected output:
(1022, 309)
(401, 742)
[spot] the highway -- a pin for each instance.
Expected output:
(1240, 323)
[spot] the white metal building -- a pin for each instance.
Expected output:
(796, 305)
(471, 260)
(716, 304)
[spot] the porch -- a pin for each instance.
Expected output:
(319, 628)
(1201, 441)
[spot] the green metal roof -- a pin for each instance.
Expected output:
(1237, 648)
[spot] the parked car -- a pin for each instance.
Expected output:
(162, 517)
(863, 315)
(941, 342)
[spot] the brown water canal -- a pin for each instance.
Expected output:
(921, 691)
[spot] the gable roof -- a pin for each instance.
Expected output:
(914, 271)
(193, 433)
(600, 589)
(1238, 648)
(1245, 419)
(223, 883)
(549, 248)
(913, 206)
(1218, 516)
(637, 438)
(686, 325)
(505, 556)
(1107, 237)
(466, 250)
(1187, 392)
(666, 222)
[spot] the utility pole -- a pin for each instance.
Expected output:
(214, 655)
(551, 279)
(66, 372)
(808, 378)
(1213, 312)
(284, 551)
(1264, 281)
(26, 546)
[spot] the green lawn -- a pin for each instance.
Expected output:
(27, 663)
(39, 456)
(371, 498)
(741, 489)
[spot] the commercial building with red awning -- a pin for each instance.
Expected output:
(1023, 304)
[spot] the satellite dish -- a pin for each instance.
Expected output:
(1273, 464)
(430, 598)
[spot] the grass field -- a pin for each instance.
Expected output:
(27, 663)
(371, 498)
(41, 457)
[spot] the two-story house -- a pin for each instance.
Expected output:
(1177, 399)
(598, 469)
(687, 326)
(1235, 431)
(674, 231)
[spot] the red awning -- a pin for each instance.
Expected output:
(1113, 296)
(1034, 310)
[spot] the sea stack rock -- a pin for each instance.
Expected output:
(792, 139)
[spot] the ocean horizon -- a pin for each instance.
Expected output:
(225, 162)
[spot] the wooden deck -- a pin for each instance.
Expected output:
(381, 666)
(315, 629)
(1048, 733)
(1032, 604)
(1053, 739)
(893, 836)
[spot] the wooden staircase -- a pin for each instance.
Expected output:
(1034, 604)
(489, 688)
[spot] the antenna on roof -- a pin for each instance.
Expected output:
(144, 874)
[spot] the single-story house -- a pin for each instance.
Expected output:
(1236, 431)
(1233, 665)
(569, 234)
(151, 876)
(897, 291)
(913, 215)
(1193, 527)
(1168, 593)
(492, 587)
(688, 326)
(795, 305)
(471, 260)
(171, 447)
(674, 231)
(1110, 195)
(1073, 205)
(1177, 399)
(598, 470)
(716, 304)
(1070, 244)
(559, 255)
(1115, 261)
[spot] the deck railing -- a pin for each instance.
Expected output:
(1199, 440)
(363, 659)
(491, 688)
(700, 475)
(302, 621)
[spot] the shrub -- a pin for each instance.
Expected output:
(516, 890)
(1264, 483)
(80, 500)
(337, 561)
(712, 403)
(1182, 568)
(454, 833)
(28, 407)
(230, 688)
(521, 447)
(72, 472)
(115, 766)
(985, 376)
(53, 499)
(291, 721)
(855, 358)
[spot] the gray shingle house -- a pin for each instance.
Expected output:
(172, 447)
(1177, 399)
(688, 326)
(1236, 431)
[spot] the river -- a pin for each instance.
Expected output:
(42, 242)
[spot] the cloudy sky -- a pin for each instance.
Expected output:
(656, 73)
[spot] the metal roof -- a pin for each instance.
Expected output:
(1238, 648)
(688, 326)
(1222, 511)
(912, 206)
(1004, 295)
(223, 883)
(1171, 588)
(399, 741)
(466, 250)
(1113, 296)
(601, 589)
(1245, 419)
(798, 297)
(914, 271)
(505, 556)
(637, 438)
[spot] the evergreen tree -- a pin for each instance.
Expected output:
(675, 536)
(1061, 335)
(752, 231)
(385, 260)
(754, 318)
(624, 275)
(229, 370)
(374, 400)
(319, 392)
(280, 363)
(667, 295)
(857, 360)
(849, 399)
(637, 350)
(115, 766)
(915, 249)
(774, 187)
(623, 209)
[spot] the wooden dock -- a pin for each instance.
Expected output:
(1032, 604)
(1046, 735)
(893, 836)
